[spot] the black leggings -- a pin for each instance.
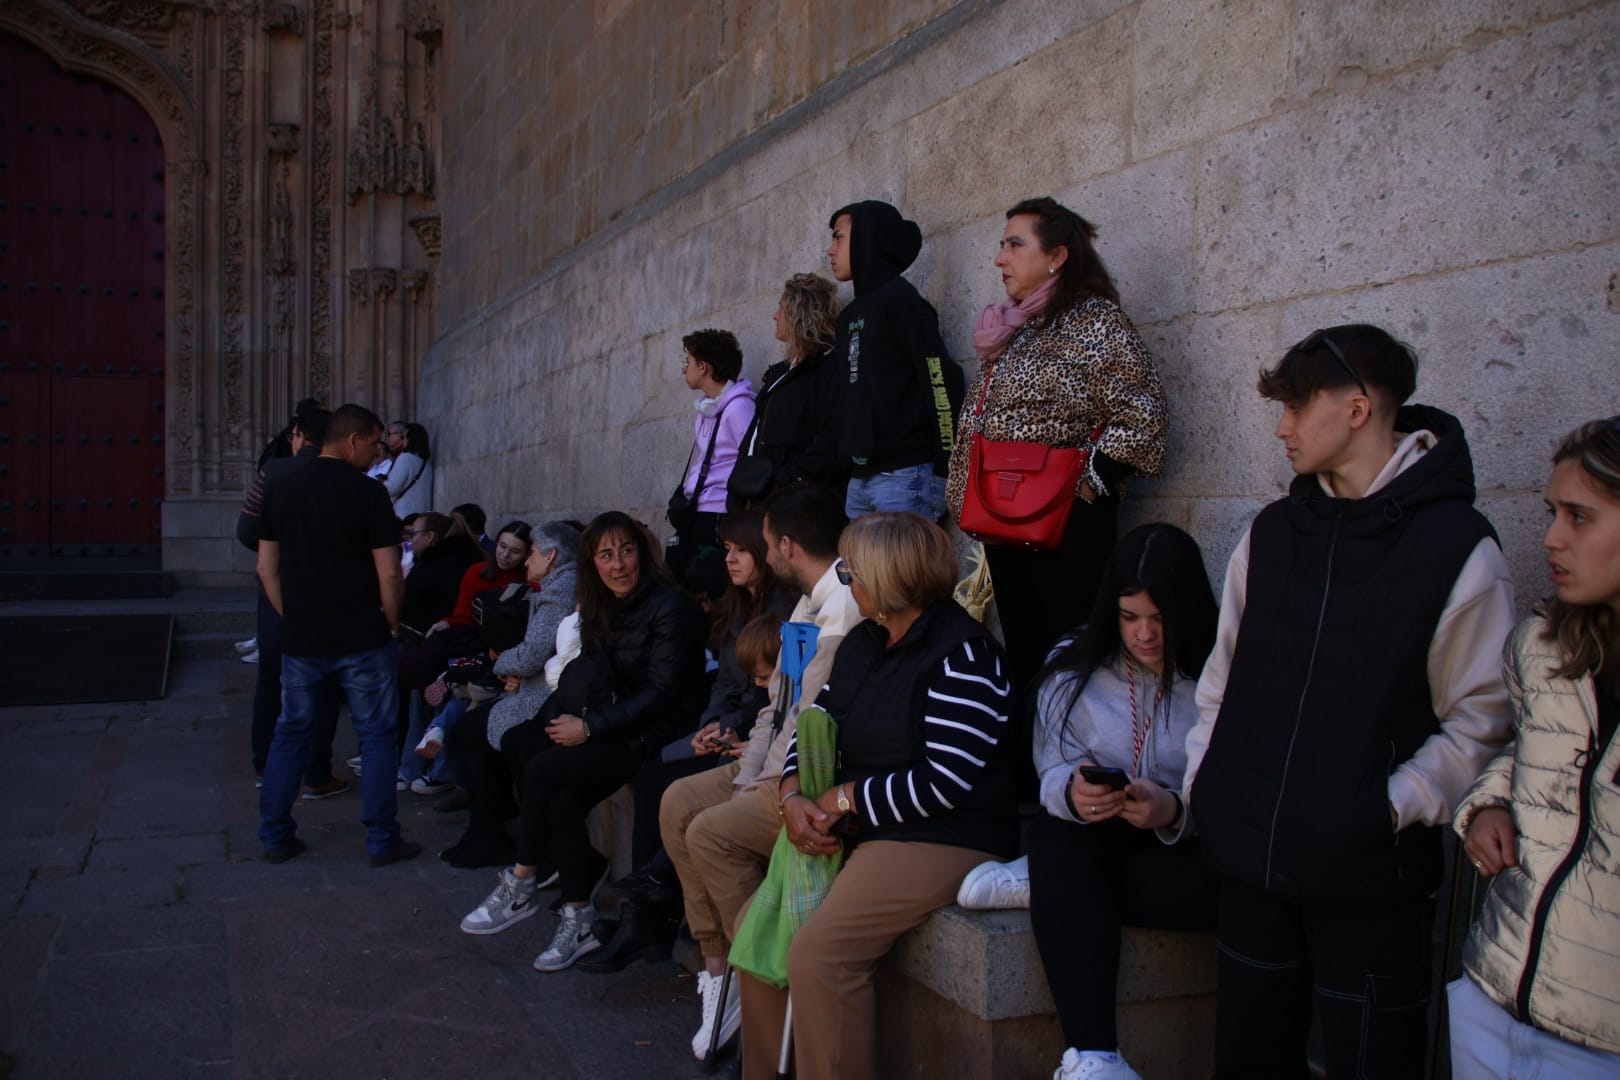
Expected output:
(1085, 882)
(560, 786)
(489, 774)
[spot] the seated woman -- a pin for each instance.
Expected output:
(653, 890)
(1114, 705)
(924, 791)
(1541, 969)
(637, 682)
(794, 436)
(550, 570)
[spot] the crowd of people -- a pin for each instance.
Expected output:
(824, 746)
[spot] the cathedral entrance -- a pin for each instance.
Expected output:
(81, 317)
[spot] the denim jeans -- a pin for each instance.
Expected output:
(310, 686)
(413, 766)
(1487, 1043)
(267, 702)
(913, 488)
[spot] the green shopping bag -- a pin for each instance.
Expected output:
(796, 883)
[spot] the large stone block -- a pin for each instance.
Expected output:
(1018, 129)
(1521, 520)
(1337, 46)
(1505, 151)
(1186, 80)
(1520, 351)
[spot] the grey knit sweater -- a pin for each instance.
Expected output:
(548, 606)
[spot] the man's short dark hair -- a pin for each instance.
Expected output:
(311, 424)
(474, 516)
(351, 419)
(718, 349)
(811, 514)
(1355, 354)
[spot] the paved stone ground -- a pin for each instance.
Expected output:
(144, 938)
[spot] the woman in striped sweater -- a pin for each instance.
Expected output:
(920, 692)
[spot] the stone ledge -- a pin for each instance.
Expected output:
(985, 963)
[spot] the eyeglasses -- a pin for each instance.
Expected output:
(1321, 337)
(413, 533)
(846, 573)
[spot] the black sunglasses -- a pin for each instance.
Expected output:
(1322, 337)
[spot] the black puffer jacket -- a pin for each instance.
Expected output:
(648, 681)
(796, 422)
(434, 582)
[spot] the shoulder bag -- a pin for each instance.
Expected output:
(682, 512)
(1020, 493)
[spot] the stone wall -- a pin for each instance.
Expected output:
(1258, 168)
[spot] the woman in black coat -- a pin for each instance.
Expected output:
(637, 683)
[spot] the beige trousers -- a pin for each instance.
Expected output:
(720, 844)
(886, 888)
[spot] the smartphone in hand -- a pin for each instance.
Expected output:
(1110, 777)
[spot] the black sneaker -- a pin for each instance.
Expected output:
(400, 850)
(643, 887)
(453, 800)
(282, 852)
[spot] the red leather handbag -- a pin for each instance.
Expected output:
(1020, 493)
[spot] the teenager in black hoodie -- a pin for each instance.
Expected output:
(901, 392)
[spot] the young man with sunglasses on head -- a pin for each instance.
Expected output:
(1353, 695)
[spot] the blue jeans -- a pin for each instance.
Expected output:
(413, 766)
(1488, 1043)
(310, 686)
(913, 488)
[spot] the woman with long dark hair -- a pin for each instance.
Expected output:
(1061, 365)
(1541, 970)
(1113, 708)
(637, 682)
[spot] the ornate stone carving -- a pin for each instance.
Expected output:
(414, 281)
(417, 172)
(282, 139)
(426, 227)
(233, 196)
(360, 285)
(128, 16)
(424, 21)
(384, 282)
(323, 184)
(282, 19)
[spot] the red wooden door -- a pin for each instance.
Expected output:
(81, 315)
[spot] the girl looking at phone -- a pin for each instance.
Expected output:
(1113, 707)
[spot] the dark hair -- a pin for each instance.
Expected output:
(759, 642)
(1164, 562)
(405, 521)
(519, 529)
(311, 424)
(1588, 635)
(440, 525)
(416, 441)
(351, 419)
(718, 349)
(596, 601)
(474, 516)
(737, 605)
(1355, 354)
(1083, 273)
(811, 514)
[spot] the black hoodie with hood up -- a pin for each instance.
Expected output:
(901, 391)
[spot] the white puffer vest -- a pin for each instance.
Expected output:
(1546, 946)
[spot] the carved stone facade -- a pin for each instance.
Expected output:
(301, 145)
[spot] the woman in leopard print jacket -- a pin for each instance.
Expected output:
(1063, 361)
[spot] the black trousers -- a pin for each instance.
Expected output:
(1366, 967)
(690, 542)
(1085, 882)
(489, 774)
(560, 786)
(651, 781)
(267, 702)
(1039, 596)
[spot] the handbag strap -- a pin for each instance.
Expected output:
(708, 455)
(989, 373)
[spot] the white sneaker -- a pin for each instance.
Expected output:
(730, 1016)
(423, 786)
(432, 742)
(1094, 1065)
(353, 764)
(244, 647)
(993, 885)
(512, 901)
(250, 657)
(575, 937)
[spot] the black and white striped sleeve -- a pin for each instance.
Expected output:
(965, 717)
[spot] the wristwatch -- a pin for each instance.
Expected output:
(844, 805)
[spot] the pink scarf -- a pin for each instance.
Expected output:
(998, 323)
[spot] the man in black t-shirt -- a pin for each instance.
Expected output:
(329, 562)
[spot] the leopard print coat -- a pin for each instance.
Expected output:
(1058, 382)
